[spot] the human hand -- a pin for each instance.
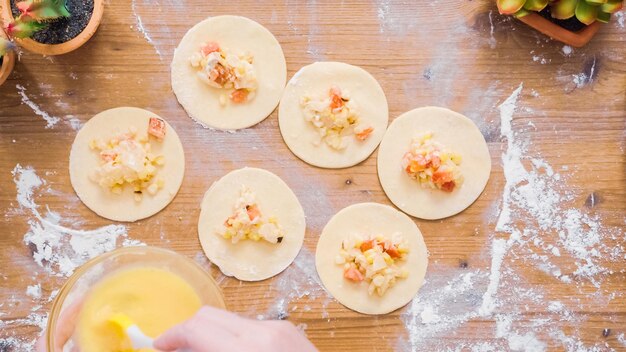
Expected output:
(64, 329)
(216, 330)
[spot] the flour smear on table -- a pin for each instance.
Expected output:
(56, 248)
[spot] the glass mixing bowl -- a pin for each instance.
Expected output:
(66, 308)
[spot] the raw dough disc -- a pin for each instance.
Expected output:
(123, 207)
(457, 133)
(239, 35)
(370, 219)
(316, 79)
(249, 260)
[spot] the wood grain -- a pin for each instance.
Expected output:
(458, 54)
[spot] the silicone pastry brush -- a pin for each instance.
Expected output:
(137, 338)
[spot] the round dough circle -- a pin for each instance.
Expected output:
(240, 35)
(370, 219)
(123, 207)
(316, 79)
(455, 131)
(250, 260)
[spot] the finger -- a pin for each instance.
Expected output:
(197, 335)
(65, 325)
(225, 319)
(41, 342)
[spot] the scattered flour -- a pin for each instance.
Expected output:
(527, 342)
(580, 80)
(74, 122)
(621, 338)
(498, 251)
(492, 39)
(50, 120)
(298, 281)
(620, 19)
(140, 27)
(56, 248)
(34, 291)
(540, 59)
(567, 50)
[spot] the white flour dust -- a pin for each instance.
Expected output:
(543, 226)
(140, 27)
(620, 19)
(567, 50)
(58, 249)
(392, 19)
(299, 281)
(498, 251)
(492, 40)
(51, 121)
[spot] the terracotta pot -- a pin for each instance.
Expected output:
(62, 48)
(554, 31)
(8, 62)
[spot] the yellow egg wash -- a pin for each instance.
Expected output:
(154, 299)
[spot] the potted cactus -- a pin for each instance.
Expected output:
(573, 22)
(7, 57)
(51, 27)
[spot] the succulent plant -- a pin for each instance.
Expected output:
(5, 46)
(586, 11)
(35, 15)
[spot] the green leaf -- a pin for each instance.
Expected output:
(563, 9)
(509, 7)
(24, 27)
(586, 13)
(596, 2)
(604, 17)
(535, 5)
(43, 10)
(612, 6)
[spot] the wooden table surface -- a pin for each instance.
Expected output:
(457, 54)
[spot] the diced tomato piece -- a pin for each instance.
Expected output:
(220, 74)
(353, 274)
(156, 128)
(335, 98)
(108, 155)
(253, 211)
(366, 245)
(239, 95)
(441, 177)
(448, 187)
(364, 134)
(393, 252)
(210, 47)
